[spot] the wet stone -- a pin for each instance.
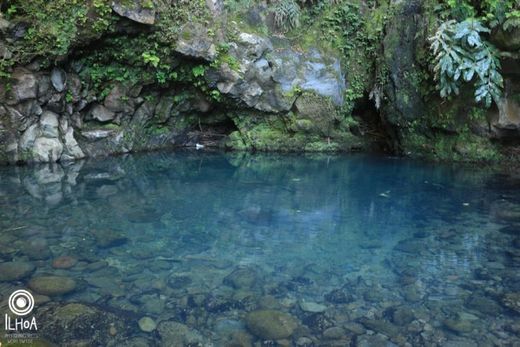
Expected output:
(271, 324)
(37, 249)
(64, 262)
(338, 296)
(240, 278)
(483, 304)
(373, 341)
(411, 246)
(512, 301)
(177, 334)
(458, 325)
(52, 285)
(312, 307)
(147, 324)
(108, 238)
(178, 282)
(91, 325)
(334, 333)
(317, 322)
(14, 271)
(380, 326)
(401, 315)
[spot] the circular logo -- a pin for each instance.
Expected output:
(21, 302)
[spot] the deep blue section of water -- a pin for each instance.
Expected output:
(357, 250)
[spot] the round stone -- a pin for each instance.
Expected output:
(64, 262)
(147, 324)
(52, 285)
(312, 307)
(14, 271)
(271, 324)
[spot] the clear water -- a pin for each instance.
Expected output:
(393, 252)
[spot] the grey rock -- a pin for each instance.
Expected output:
(135, 10)
(71, 149)
(47, 149)
(147, 324)
(95, 135)
(28, 137)
(102, 114)
(242, 278)
(177, 334)
(373, 341)
(334, 333)
(312, 307)
(195, 42)
(271, 324)
(380, 326)
(116, 100)
(49, 124)
(483, 304)
(52, 285)
(58, 79)
(24, 86)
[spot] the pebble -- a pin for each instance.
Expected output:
(312, 307)
(147, 324)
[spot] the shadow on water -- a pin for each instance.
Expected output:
(213, 247)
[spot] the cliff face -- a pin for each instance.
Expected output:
(98, 78)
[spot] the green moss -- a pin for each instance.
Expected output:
(465, 147)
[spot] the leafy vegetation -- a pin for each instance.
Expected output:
(287, 14)
(462, 55)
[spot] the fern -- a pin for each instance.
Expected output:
(462, 55)
(287, 14)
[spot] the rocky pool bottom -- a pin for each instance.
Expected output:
(195, 249)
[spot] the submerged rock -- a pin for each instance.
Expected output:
(312, 307)
(380, 326)
(147, 324)
(76, 324)
(483, 304)
(108, 238)
(512, 301)
(14, 271)
(458, 325)
(338, 296)
(52, 285)
(271, 324)
(64, 262)
(241, 278)
(177, 334)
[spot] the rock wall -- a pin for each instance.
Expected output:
(50, 114)
(134, 76)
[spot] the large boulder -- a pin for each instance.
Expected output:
(269, 80)
(24, 86)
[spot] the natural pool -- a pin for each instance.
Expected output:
(262, 250)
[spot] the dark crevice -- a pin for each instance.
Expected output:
(372, 126)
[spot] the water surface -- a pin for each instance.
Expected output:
(355, 250)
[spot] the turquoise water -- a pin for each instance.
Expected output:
(263, 250)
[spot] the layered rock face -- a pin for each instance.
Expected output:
(53, 114)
